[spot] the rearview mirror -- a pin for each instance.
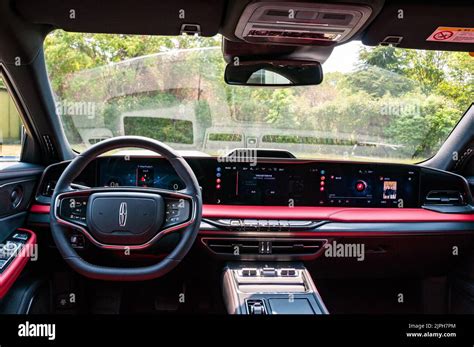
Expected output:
(274, 73)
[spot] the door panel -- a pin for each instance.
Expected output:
(17, 188)
(18, 183)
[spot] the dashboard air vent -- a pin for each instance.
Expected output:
(240, 246)
(444, 197)
(48, 188)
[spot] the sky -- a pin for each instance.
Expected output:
(343, 58)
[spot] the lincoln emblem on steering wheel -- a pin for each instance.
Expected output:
(123, 214)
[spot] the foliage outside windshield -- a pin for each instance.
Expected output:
(383, 103)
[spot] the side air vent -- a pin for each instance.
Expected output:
(444, 197)
(48, 188)
(240, 246)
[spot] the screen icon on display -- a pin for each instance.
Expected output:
(389, 190)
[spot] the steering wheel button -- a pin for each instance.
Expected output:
(172, 204)
(174, 212)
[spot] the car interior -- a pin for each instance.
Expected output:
(236, 157)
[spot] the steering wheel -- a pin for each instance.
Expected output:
(125, 218)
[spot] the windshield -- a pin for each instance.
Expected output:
(381, 104)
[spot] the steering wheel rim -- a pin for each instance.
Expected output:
(189, 229)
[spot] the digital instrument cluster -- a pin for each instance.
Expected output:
(137, 172)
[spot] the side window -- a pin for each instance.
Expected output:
(10, 126)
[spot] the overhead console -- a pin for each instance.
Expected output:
(300, 23)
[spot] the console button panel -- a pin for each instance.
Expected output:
(270, 288)
(268, 272)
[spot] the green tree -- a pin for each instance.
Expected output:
(68, 52)
(385, 57)
(377, 82)
(423, 132)
(439, 84)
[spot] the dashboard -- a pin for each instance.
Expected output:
(288, 209)
(282, 182)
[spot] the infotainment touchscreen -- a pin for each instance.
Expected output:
(314, 184)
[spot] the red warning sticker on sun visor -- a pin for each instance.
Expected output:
(451, 34)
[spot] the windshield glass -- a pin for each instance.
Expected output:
(381, 104)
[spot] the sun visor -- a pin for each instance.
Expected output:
(446, 25)
(126, 17)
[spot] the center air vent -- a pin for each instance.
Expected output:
(444, 197)
(300, 23)
(241, 246)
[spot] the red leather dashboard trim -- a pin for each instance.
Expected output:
(336, 214)
(42, 209)
(11, 273)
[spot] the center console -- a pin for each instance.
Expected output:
(266, 289)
